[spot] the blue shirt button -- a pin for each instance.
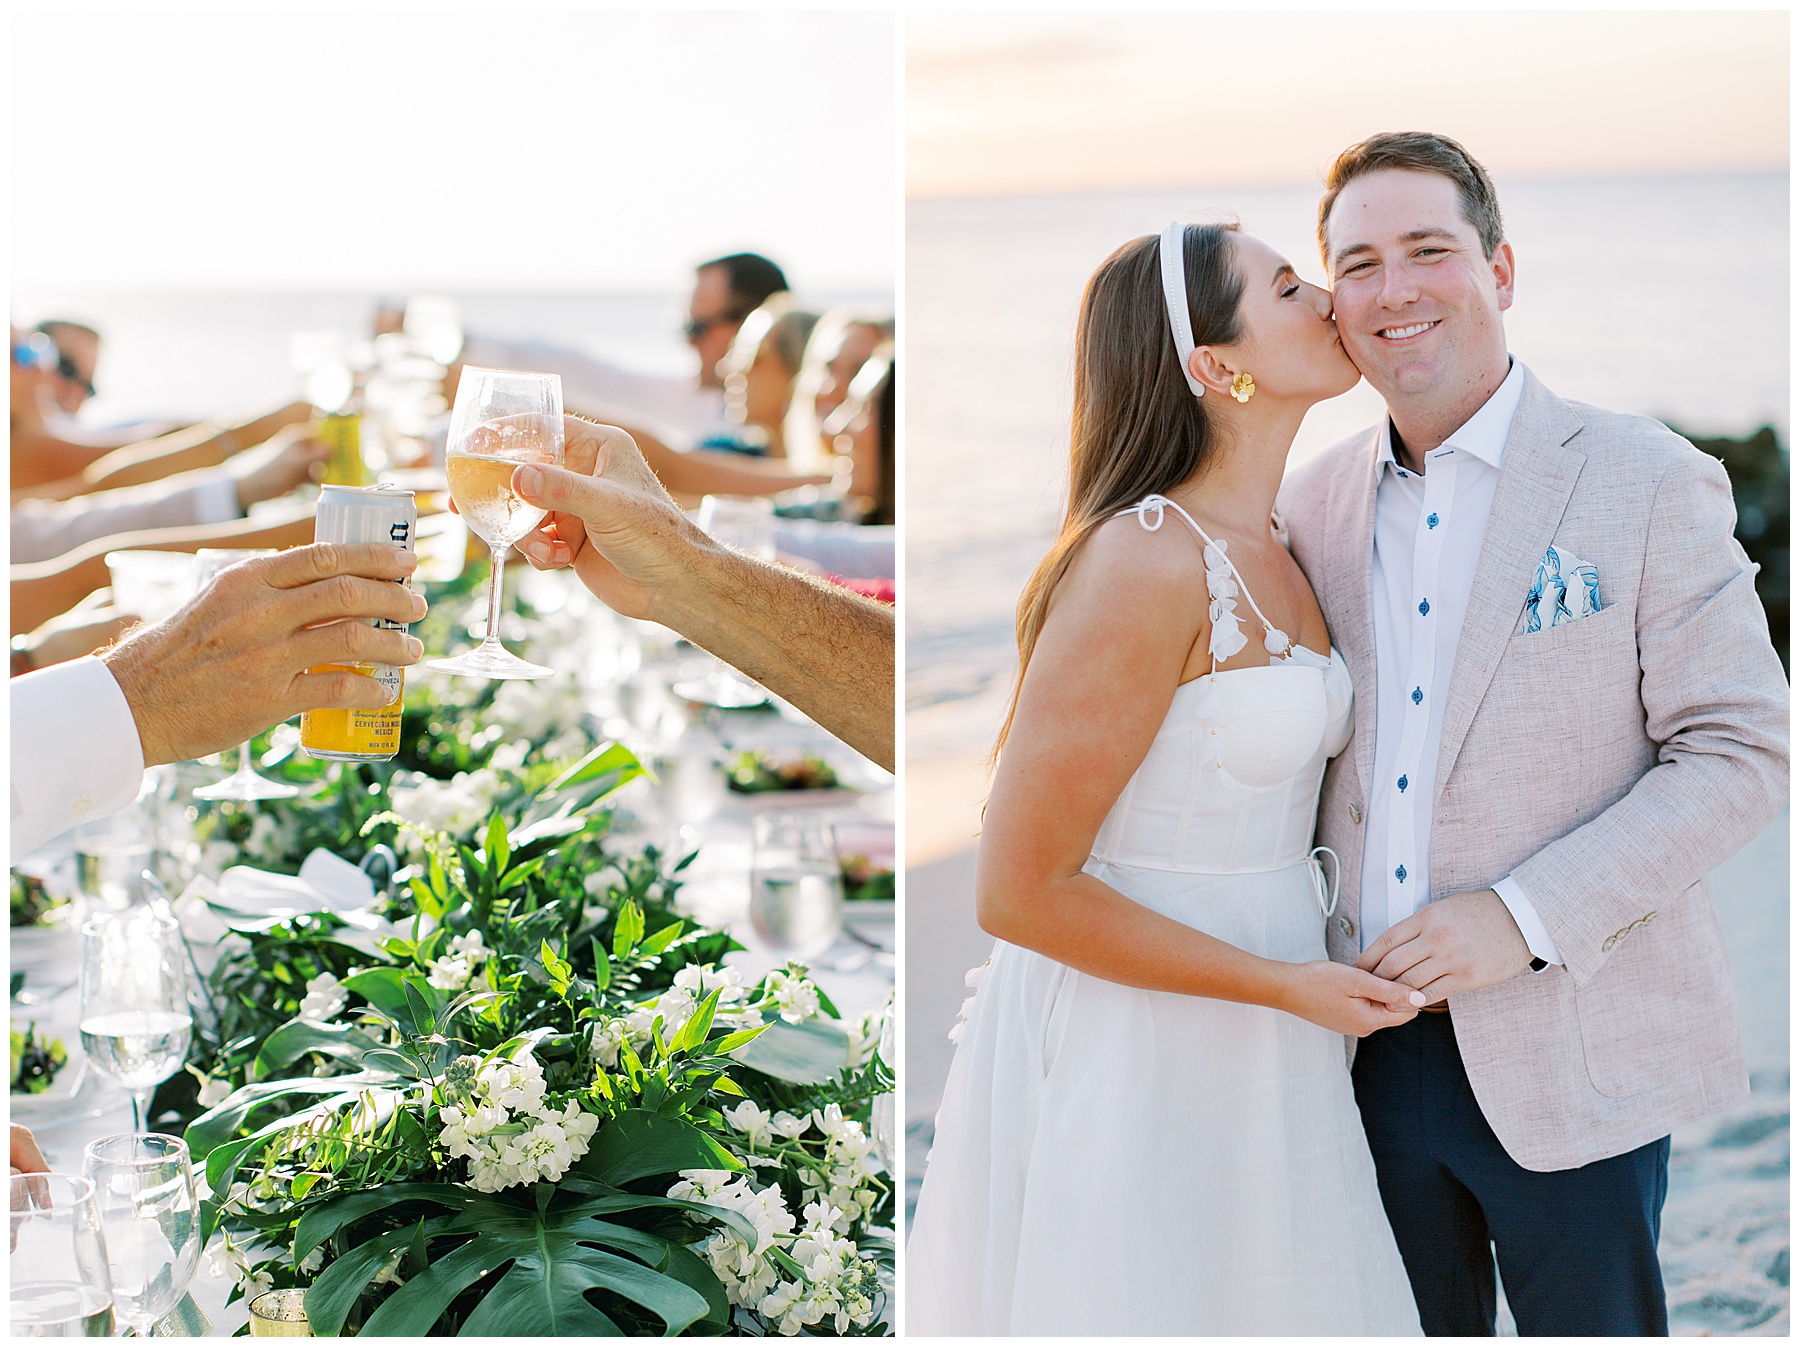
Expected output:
(1403, 785)
(1431, 521)
(1400, 873)
(1418, 695)
(1424, 607)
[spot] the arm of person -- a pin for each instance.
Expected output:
(41, 459)
(828, 652)
(1100, 681)
(44, 589)
(1715, 703)
(707, 472)
(232, 662)
(206, 445)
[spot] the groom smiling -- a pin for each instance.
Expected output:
(1567, 712)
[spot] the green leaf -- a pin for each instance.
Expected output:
(606, 758)
(329, 1299)
(322, 1222)
(629, 930)
(296, 1038)
(639, 1143)
(424, 1003)
(602, 966)
(498, 852)
(383, 988)
(559, 970)
(733, 1041)
(657, 943)
(698, 1025)
(809, 1053)
(522, 871)
(221, 1123)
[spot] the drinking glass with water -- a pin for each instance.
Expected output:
(60, 1287)
(796, 887)
(144, 1188)
(135, 1021)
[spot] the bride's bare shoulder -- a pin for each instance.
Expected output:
(1124, 568)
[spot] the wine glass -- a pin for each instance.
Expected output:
(144, 1188)
(796, 887)
(57, 1267)
(135, 1019)
(502, 418)
(246, 783)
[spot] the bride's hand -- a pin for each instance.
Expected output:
(1347, 1000)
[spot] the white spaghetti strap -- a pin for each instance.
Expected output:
(1221, 571)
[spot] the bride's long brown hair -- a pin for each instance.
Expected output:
(1137, 429)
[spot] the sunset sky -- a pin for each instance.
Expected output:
(1022, 103)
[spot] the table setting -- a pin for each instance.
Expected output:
(572, 1015)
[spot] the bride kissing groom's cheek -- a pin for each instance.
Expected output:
(1426, 747)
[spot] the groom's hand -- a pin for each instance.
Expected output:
(1457, 944)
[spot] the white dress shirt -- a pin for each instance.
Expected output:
(1428, 535)
(75, 751)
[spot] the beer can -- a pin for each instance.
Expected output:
(350, 514)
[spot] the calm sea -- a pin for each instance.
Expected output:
(1662, 296)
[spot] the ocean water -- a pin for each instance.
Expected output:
(1662, 296)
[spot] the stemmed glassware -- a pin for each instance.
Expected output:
(135, 1019)
(60, 1287)
(502, 418)
(748, 524)
(144, 1188)
(796, 885)
(246, 783)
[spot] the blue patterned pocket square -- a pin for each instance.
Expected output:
(1565, 589)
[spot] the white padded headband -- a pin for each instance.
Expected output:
(1174, 279)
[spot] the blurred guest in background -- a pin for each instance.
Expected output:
(760, 371)
(679, 412)
(42, 528)
(841, 342)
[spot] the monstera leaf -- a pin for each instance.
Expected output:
(549, 1257)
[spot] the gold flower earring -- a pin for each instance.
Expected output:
(1243, 388)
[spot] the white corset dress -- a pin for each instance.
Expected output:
(1114, 1161)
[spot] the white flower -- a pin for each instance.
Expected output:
(214, 1090)
(597, 883)
(310, 1264)
(795, 998)
(789, 1126)
(753, 1121)
(510, 757)
(453, 970)
(390, 1271)
(324, 998)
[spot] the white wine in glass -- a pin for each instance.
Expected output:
(503, 418)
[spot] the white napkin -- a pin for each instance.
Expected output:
(326, 883)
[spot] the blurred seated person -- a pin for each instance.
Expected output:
(840, 345)
(760, 372)
(42, 529)
(226, 667)
(72, 385)
(42, 590)
(679, 412)
(861, 547)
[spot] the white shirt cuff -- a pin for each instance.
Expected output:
(1531, 926)
(75, 751)
(216, 502)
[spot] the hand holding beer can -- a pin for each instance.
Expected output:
(349, 514)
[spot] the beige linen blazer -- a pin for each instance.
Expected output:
(1608, 764)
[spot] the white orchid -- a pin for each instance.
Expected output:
(324, 998)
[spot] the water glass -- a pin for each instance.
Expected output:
(796, 888)
(135, 1020)
(144, 1187)
(57, 1266)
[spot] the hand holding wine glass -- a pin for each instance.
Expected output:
(502, 419)
(135, 1019)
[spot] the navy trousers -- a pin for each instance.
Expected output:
(1576, 1247)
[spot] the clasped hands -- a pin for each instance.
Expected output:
(1457, 944)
